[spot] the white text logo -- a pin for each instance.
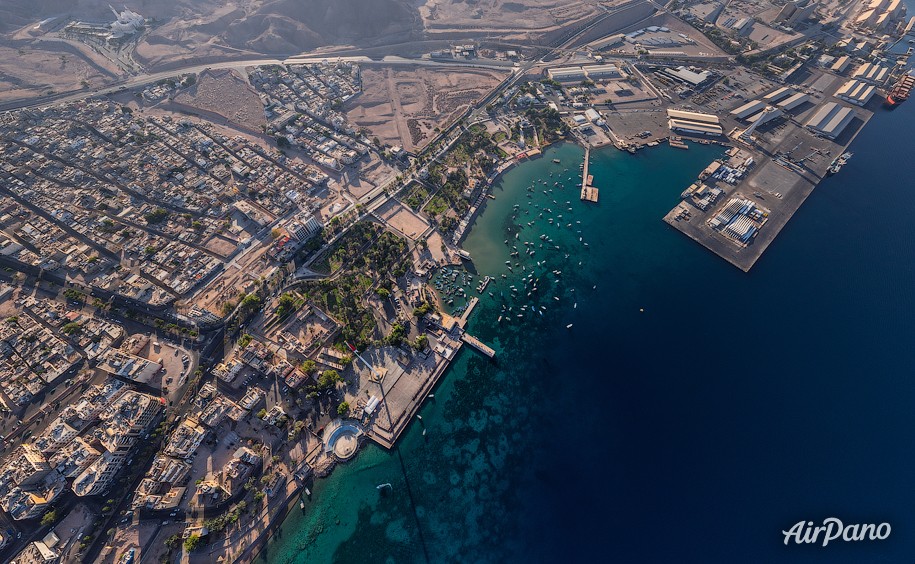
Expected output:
(832, 529)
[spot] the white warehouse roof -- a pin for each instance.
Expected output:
(694, 126)
(748, 109)
(831, 119)
(693, 116)
(870, 72)
(567, 74)
(602, 70)
(794, 101)
(778, 94)
(840, 65)
(857, 92)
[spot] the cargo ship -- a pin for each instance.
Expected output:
(838, 163)
(900, 92)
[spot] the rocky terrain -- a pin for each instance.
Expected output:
(274, 27)
(183, 32)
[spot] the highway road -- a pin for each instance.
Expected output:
(151, 78)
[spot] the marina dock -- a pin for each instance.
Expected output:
(477, 344)
(470, 305)
(588, 192)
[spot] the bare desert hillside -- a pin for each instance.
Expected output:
(182, 32)
(261, 25)
(292, 26)
(276, 26)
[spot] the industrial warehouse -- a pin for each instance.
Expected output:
(778, 94)
(794, 101)
(871, 73)
(840, 65)
(588, 72)
(740, 219)
(856, 92)
(748, 109)
(693, 122)
(830, 120)
(689, 77)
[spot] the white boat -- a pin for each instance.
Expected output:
(569, 326)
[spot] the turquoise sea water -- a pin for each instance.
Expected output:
(691, 414)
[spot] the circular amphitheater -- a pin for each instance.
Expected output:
(341, 438)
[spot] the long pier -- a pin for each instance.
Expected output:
(470, 305)
(584, 170)
(477, 344)
(588, 192)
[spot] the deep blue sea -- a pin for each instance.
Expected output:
(691, 413)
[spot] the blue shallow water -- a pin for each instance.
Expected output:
(696, 430)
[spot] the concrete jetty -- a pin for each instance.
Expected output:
(588, 192)
(478, 344)
(470, 305)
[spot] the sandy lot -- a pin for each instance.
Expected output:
(403, 105)
(28, 72)
(238, 277)
(71, 529)
(402, 218)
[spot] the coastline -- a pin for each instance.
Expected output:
(630, 287)
(264, 538)
(504, 167)
(254, 550)
(643, 387)
(769, 184)
(257, 547)
(387, 440)
(405, 419)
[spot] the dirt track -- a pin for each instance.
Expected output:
(403, 105)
